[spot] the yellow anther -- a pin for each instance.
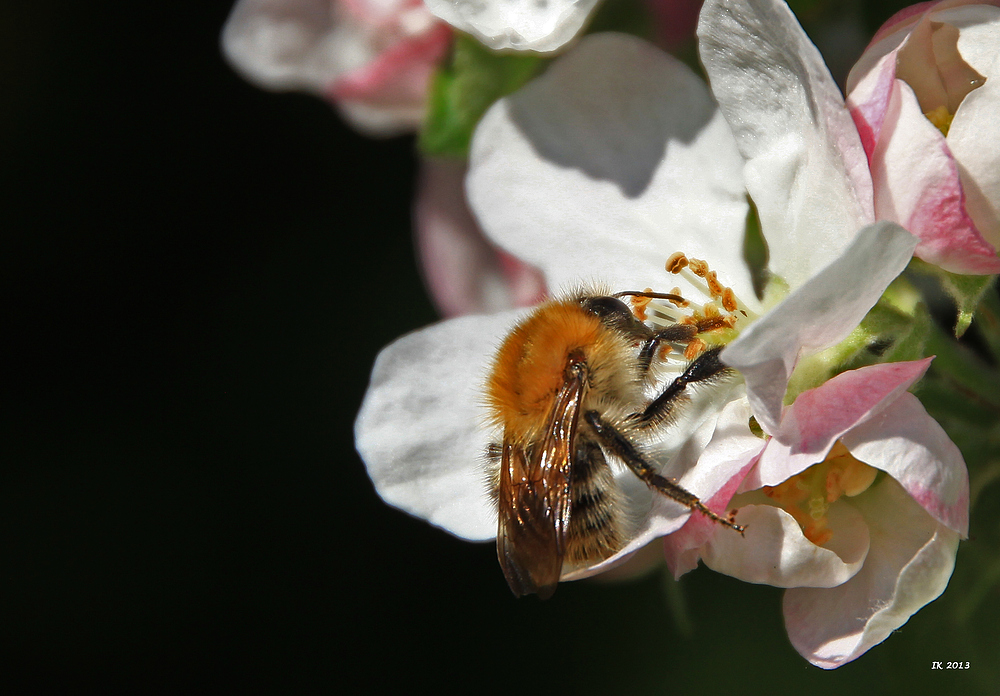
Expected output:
(698, 267)
(729, 300)
(695, 348)
(714, 286)
(676, 262)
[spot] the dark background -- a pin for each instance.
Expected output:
(196, 276)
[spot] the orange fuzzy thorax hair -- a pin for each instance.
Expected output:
(530, 366)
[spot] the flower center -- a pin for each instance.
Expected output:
(708, 304)
(930, 63)
(807, 497)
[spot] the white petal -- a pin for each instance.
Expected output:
(909, 564)
(906, 442)
(281, 44)
(806, 169)
(974, 140)
(978, 37)
(536, 25)
(817, 315)
(421, 429)
(775, 552)
(607, 164)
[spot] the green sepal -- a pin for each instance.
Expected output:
(755, 251)
(894, 330)
(965, 290)
(464, 88)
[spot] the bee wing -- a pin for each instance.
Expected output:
(534, 498)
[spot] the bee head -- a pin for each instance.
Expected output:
(614, 314)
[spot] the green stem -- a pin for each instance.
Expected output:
(988, 322)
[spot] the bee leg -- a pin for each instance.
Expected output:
(705, 367)
(671, 334)
(621, 447)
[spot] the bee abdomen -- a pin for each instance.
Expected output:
(595, 524)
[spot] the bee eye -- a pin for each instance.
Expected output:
(608, 308)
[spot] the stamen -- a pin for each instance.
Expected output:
(714, 286)
(676, 262)
(695, 348)
(639, 304)
(807, 497)
(729, 300)
(698, 267)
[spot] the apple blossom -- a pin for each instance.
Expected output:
(371, 59)
(860, 551)
(598, 171)
(421, 430)
(925, 95)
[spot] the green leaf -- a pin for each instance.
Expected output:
(465, 87)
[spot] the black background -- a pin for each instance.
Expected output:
(196, 276)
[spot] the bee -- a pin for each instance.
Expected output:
(568, 391)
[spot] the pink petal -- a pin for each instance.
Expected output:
(820, 416)
(372, 59)
(463, 271)
(907, 17)
(869, 101)
(398, 76)
(908, 565)
(904, 441)
(917, 183)
(917, 180)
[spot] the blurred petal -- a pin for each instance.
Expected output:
(608, 163)
(909, 564)
(421, 429)
(806, 170)
(372, 60)
(820, 416)
(464, 272)
(906, 442)
(817, 315)
(519, 24)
